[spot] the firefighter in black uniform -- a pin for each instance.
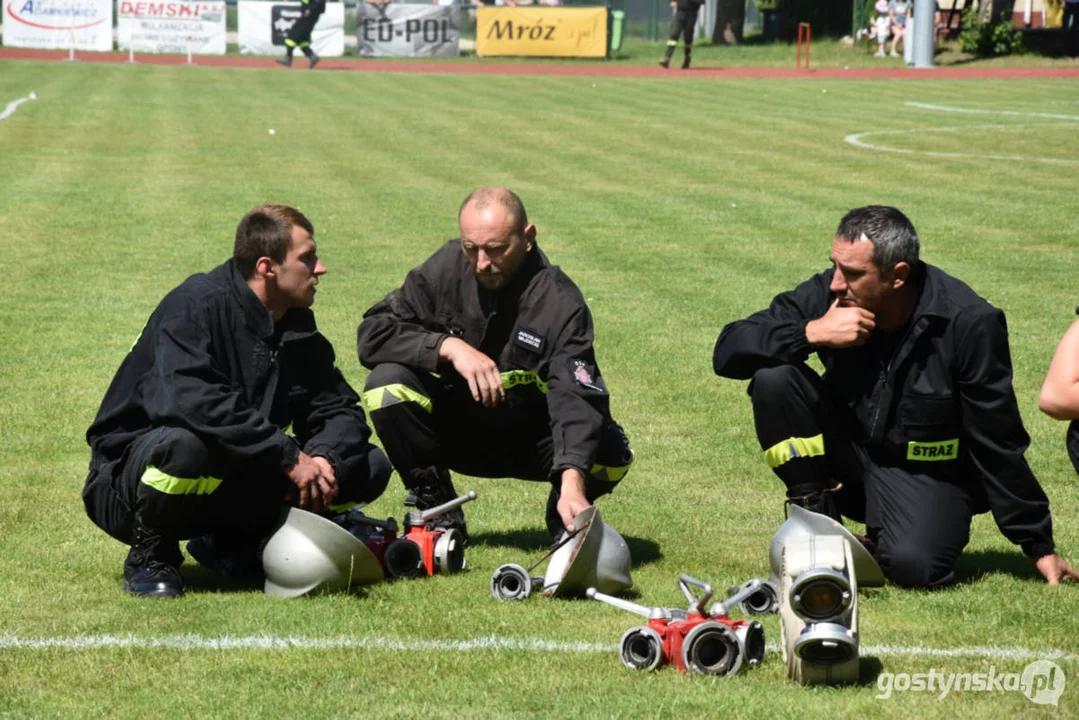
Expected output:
(482, 362)
(299, 35)
(683, 23)
(191, 441)
(914, 426)
(1059, 397)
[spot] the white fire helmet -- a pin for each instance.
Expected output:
(597, 556)
(802, 522)
(309, 553)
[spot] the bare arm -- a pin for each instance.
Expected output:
(1060, 392)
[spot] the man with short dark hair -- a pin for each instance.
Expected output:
(482, 362)
(227, 406)
(914, 427)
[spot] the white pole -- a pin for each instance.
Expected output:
(71, 50)
(188, 49)
(131, 51)
(1028, 12)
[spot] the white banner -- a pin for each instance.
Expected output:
(58, 24)
(171, 26)
(401, 30)
(263, 27)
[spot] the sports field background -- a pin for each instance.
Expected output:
(676, 206)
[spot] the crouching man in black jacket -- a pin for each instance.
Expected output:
(914, 426)
(227, 406)
(482, 362)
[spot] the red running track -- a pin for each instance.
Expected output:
(594, 69)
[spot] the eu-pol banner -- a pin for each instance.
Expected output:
(395, 30)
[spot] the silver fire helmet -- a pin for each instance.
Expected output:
(802, 522)
(597, 556)
(309, 553)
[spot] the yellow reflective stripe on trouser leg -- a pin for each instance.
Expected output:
(794, 447)
(387, 395)
(290, 43)
(609, 473)
(163, 482)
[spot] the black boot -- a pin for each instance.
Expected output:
(430, 487)
(235, 557)
(152, 567)
(816, 499)
(685, 60)
(287, 60)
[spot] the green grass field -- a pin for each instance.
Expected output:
(677, 206)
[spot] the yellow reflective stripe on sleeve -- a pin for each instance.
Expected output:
(933, 451)
(794, 447)
(610, 474)
(523, 377)
(163, 482)
(394, 394)
(342, 508)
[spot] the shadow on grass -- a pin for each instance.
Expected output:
(869, 669)
(976, 565)
(642, 550)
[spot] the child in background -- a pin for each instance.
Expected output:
(881, 25)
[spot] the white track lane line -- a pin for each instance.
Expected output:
(489, 643)
(856, 139)
(14, 105)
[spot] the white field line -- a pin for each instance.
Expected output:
(14, 105)
(856, 140)
(972, 111)
(489, 643)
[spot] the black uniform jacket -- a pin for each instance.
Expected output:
(942, 405)
(211, 360)
(537, 329)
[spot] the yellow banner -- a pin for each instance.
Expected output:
(541, 31)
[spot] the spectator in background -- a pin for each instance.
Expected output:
(299, 35)
(899, 11)
(1059, 398)
(1068, 39)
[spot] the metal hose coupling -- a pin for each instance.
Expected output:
(404, 559)
(760, 601)
(512, 582)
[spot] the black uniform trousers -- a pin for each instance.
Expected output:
(919, 524)
(426, 422)
(174, 484)
(682, 24)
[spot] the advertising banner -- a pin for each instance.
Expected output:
(171, 26)
(541, 31)
(58, 24)
(263, 27)
(394, 30)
